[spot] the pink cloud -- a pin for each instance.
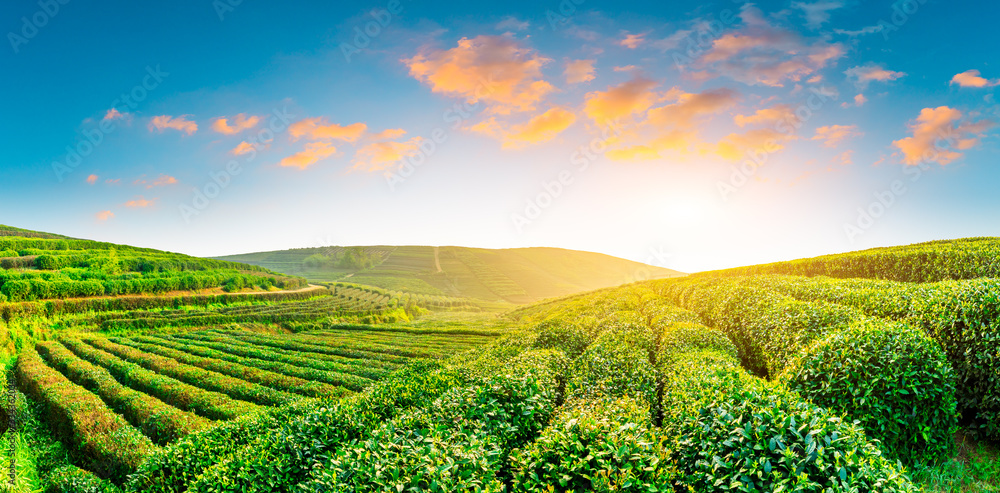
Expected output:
(181, 123)
(239, 123)
(104, 215)
(314, 152)
(972, 78)
(940, 125)
(92, 179)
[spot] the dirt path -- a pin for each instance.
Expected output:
(437, 260)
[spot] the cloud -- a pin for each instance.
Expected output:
(320, 129)
(116, 181)
(626, 68)
(496, 70)
(760, 53)
(313, 152)
(383, 156)
(541, 128)
(833, 135)
(578, 71)
(767, 116)
(734, 146)
(864, 74)
(140, 203)
(817, 13)
(633, 153)
(859, 32)
(632, 41)
(114, 114)
(674, 127)
(180, 123)
(860, 100)
(240, 123)
(623, 100)
(673, 41)
(935, 125)
(162, 181)
(104, 215)
(688, 107)
(845, 158)
(92, 179)
(512, 23)
(243, 148)
(389, 134)
(972, 78)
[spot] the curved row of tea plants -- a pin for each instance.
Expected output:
(963, 316)
(892, 378)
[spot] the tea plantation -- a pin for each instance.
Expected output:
(866, 372)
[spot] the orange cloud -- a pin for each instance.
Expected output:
(691, 106)
(845, 158)
(865, 74)
(673, 127)
(382, 156)
(162, 181)
(389, 134)
(240, 123)
(496, 70)
(767, 116)
(104, 215)
(180, 123)
(578, 71)
(313, 152)
(735, 146)
(833, 135)
(972, 78)
(140, 203)
(320, 129)
(632, 41)
(935, 125)
(541, 128)
(92, 179)
(623, 100)
(760, 53)
(116, 181)
(113, 114)
(633, 153)
(243, 148)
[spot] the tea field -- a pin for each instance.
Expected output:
(865, 372)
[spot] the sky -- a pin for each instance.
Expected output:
(691, 135)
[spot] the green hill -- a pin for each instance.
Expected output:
(517, 275)
(42, 266)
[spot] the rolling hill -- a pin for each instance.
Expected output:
(516, 275)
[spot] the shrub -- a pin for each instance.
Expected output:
(617, 364)
(729, 431)
(160, 422)
(72, 479)
(458, 443)
(101, 440)
(212, 405)
(284, 455)
(601, 446)
(914, 413)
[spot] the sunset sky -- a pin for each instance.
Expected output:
(691, 135)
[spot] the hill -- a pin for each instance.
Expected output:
(40, 266)
(516, 275)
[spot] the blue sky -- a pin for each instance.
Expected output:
(691, 135)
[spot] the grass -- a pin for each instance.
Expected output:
(975, 468)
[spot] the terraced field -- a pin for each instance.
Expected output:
(116, 400)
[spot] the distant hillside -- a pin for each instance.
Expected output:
(41, 266)
(517, 275)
